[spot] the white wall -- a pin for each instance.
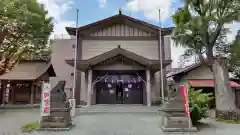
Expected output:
(148, 49)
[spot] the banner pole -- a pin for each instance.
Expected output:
(161, 55)
(41, 85)
(185, 89)
(73, 99)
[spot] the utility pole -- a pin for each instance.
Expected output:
(161, 55)
(75, 69)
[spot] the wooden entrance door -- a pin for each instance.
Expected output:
(120, 87)
(105, 94)
(133, 93)
(127, 93)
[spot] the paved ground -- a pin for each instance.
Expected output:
(12, 120)
(108, 124)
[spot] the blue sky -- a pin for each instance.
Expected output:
(64, 13)
(92, 10)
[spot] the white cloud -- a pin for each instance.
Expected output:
(234, 27)
(151, 8)
(56, 9)
(102, 3)
(60, 31)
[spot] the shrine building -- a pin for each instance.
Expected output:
(23, 83)
(118, 61)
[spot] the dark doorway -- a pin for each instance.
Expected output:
(120, 87)
(119, 93)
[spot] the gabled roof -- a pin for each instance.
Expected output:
(84, 64)
(119, 18)
(184, 70)
(29, 70)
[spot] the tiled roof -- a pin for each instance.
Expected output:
(28, 70)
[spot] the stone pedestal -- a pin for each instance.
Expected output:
(174, 117)
(60, 117)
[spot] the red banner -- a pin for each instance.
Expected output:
(45, 99)
(184, 91)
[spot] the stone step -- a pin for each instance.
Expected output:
(60, 109)
(53, 118)
(55, 124)
(56, 113)
(117, 109)
(56, 119)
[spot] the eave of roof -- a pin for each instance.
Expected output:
(184, 70)
(29, 70)
(165, 31)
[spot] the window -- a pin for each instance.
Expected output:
(72, 74)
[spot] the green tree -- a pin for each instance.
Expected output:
(24, 32)
(200, 27)
(234, 57)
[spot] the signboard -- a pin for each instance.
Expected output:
(184, 91)
(45, 99)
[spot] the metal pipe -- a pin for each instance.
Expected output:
(161, 55)
(75, 66)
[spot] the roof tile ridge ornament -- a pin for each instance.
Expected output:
(120, 11)
(119, 46)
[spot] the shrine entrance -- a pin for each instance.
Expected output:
(105, 72)
(120, 87)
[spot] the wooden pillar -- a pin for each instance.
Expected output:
(148, 88)
(12, 89)
(89, 90)
(7, 92)
(32, 95)
(1, 92)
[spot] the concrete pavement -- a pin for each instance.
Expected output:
(123, 123)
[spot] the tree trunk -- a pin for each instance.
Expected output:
(210, 57)
(3, 34)
(224, 96)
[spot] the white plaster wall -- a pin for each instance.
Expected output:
(148, 49)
